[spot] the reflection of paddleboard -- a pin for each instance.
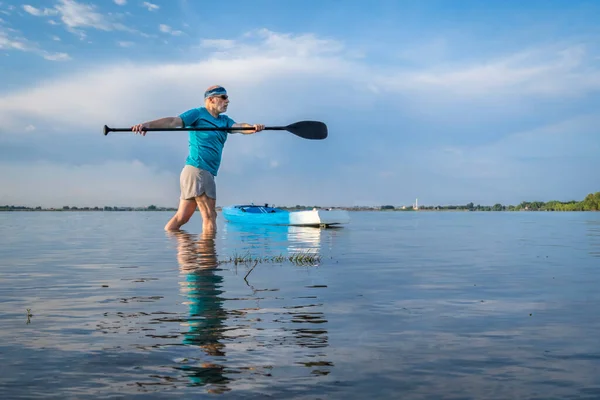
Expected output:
(273, 239)
(302, 238)
(251, 214)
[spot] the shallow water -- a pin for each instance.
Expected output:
(425, 305)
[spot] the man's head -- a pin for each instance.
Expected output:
(216, 99)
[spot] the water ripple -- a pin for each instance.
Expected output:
(419, 305)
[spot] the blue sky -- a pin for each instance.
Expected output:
(447, 102)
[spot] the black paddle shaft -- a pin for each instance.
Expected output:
(313, 130)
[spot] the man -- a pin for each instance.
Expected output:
(197, 179)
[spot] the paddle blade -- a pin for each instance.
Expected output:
(313, 130)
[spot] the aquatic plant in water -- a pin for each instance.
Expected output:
(298, 258)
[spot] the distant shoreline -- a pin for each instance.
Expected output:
(590, 203)
(352, 209)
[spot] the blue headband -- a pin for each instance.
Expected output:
(215, 92)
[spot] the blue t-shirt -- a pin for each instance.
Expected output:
(206, 147)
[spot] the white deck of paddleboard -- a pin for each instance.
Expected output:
(318, 217)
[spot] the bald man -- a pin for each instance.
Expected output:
(197, 179)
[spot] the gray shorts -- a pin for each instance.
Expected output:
(194, 182)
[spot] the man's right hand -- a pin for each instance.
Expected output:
(139, 128)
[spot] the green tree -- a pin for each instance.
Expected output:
(536, 205)
(591, 203)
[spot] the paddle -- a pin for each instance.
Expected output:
(313, 130)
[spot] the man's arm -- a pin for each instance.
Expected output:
(168, 122)
(257, 128)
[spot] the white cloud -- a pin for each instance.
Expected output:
(167, 29)
(524, 161)
(57, 57)
(8, 10)
(114, 184)
(554, 140)
(272, 61)
(75, 15)
(121, 2)
(125, 43)
(7, 42)
(301, 45)
(541, 72)
(269, 44)
(10, 40)
(218, 44)
(38, 12)
(150, 6)
(79, 16)
(117, 88)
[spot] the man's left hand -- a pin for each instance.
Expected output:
(258, 127)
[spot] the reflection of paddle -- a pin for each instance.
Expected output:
(313, 130)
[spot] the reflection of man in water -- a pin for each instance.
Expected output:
(202, 288)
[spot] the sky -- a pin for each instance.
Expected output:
(444, 102)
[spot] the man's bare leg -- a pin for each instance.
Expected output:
(182, 216)
(208, 210)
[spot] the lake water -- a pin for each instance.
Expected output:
(420, 305)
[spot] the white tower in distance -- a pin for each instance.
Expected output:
(416, 206)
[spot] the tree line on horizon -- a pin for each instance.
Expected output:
(75, 208)
(590, 203)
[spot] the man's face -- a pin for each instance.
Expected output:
(221, 102)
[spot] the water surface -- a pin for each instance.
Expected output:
(424, 305)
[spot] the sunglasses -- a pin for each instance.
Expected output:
(223, 97)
